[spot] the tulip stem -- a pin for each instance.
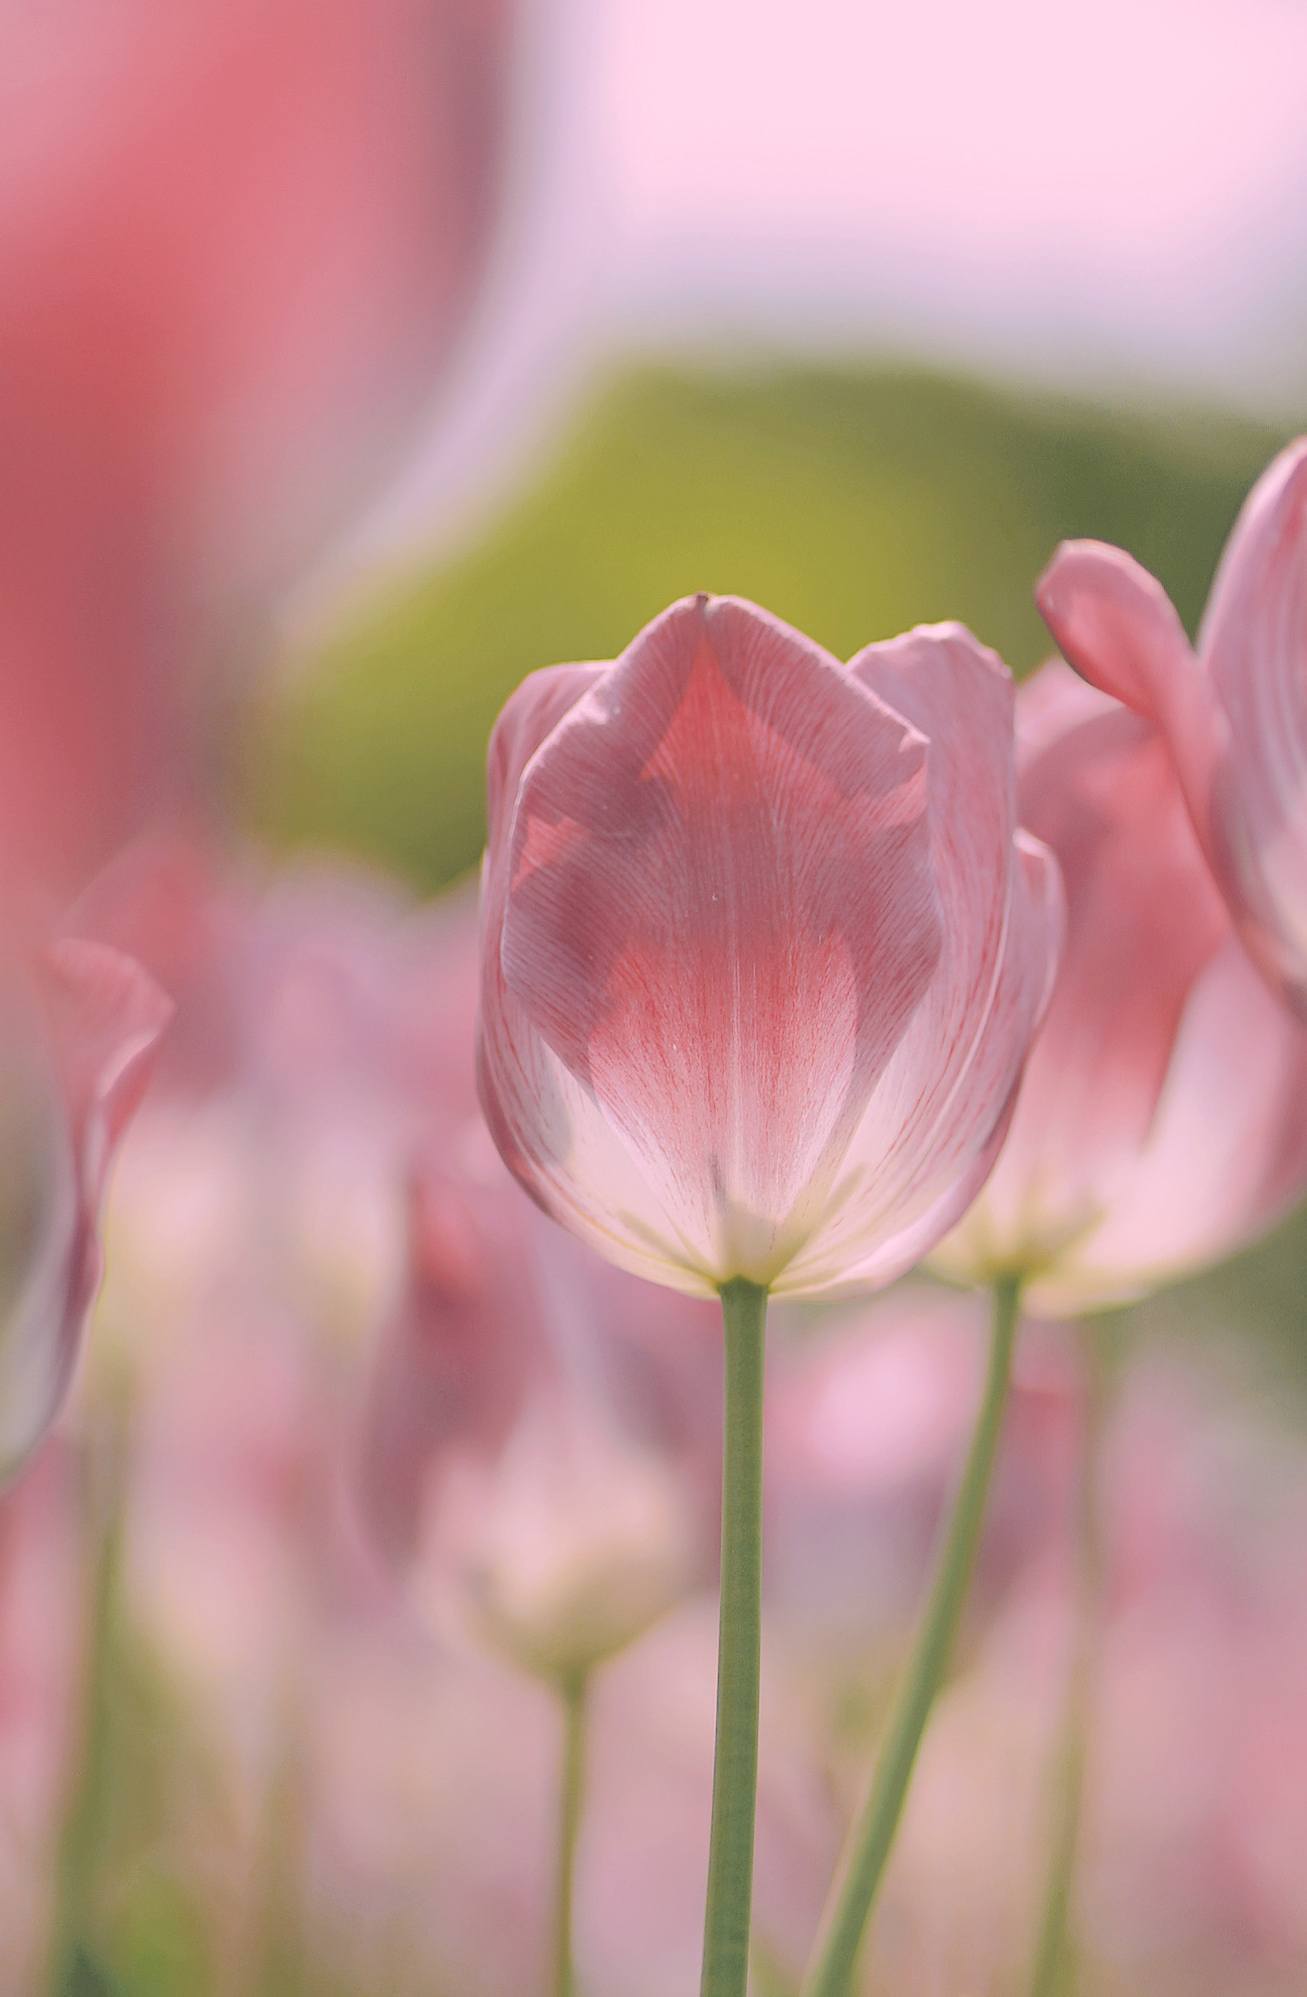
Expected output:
(82, 1832)
(735, 1763)
(572, 1691)
(1053, 1965)
(850, 1908)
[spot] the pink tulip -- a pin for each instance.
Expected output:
(1233, 715)
(460, 1355)
(79, 1048)
(1143, 1145)
(237, 240)
(763, 948)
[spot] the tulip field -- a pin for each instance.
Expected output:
(653, 1037)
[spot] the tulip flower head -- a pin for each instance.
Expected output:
(1233, 715)
(762, 947)
(1158, 1125)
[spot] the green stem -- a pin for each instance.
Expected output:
(82, 1831)
(735, 1764)
(1053, 1967)
(570, 1792)
(850, 1908)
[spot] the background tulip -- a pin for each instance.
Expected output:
(81, 1042)
(1234, 717)
(531, 1496)
(1158, 1125)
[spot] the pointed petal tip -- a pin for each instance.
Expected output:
(1115, 624)
(107, 1018)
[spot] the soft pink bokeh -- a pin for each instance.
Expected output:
(237, 242)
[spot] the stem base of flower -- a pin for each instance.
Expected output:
(735, 1764)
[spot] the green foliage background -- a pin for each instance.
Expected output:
(853, 501)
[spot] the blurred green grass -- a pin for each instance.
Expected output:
(853, 501)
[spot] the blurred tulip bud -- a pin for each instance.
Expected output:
(569, 1545)
(503, 1467)
(77, 1049)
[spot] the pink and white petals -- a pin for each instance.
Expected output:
(760, 960)
(933, 1126)
(1235, 717)
(81, 1045)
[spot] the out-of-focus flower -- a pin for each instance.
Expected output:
(568, 1546)
(236, 242)
(1159, 1124)
(763, 948)
(500, 1466)
(77, 1043)
(460, 1356)
(1233, 716)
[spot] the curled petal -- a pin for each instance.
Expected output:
(1236, 726)
(102, 1018)
(1117, 626)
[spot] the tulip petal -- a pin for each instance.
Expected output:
(931, 1130)
(1254, 648)
(718, 922)
(528, 719)
(1116, 625)
(903, 1192)
(103, 1017)
(1226, 1155)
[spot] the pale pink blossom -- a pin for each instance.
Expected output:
(763, 947)
(1233, 711)
(1159, 1124)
